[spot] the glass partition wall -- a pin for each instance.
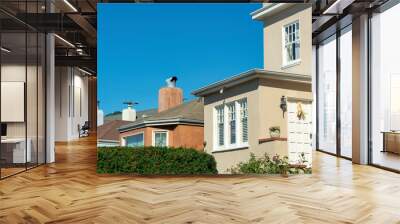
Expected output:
(327, 95)
(346, 95)
(385, 90)
(22, 98)
(334, 94)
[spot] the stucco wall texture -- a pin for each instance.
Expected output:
(273, 39)
(263, 98)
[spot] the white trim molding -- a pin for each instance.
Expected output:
(269, 9)
(153, 137)
(251, 75)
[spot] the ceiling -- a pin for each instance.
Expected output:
(328, 15)
(73, 21)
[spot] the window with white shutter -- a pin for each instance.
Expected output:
(220, 125)
(232, 122)
(243, 120)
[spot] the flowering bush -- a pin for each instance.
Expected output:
(267, 165)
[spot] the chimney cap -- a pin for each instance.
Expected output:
(171, 81)
(130, 103)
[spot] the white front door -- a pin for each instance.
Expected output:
(299, 131)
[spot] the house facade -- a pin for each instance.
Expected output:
(177, 123)
(240, 110)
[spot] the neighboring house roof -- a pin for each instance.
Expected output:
(191, 112)
(118, 115)
(250, 75)
(109, 131)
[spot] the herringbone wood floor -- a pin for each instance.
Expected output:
(70, 191)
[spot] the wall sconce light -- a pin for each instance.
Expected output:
(283, 105)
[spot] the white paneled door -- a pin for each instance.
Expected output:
(299, 131)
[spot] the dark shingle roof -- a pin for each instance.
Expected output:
(109, 131)
(191, 112)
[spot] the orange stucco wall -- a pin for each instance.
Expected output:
(178, 135)
(189, 137)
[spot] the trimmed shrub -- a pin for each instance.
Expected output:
(154, 161)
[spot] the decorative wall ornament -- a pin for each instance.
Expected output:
(283, 105)
(275, 132)
(300, 112)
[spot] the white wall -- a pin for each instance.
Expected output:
(71, 102)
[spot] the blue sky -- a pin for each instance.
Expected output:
(140, 45)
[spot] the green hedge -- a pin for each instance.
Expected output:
(154, 161)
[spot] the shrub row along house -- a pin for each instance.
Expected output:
(233, 117)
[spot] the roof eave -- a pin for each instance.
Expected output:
(268, 9)
(165, 122)
(250, 75)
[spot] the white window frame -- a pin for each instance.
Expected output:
(238, 128)
(285, 62)
(137, 133)
(153, 140)
(216, 128)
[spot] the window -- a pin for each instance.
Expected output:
(291, 52)
(136, 140)
(220, 124)
(345, 93)
(327, 95)
(232, 122)
(235, 115)
(385, 89)
(243, 119)
(160, 138)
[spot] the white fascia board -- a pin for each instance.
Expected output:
(269, 9)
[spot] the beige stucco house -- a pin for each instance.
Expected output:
(240, 110)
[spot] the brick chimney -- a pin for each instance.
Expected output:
(169, 96)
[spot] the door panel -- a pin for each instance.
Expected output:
(299, 132)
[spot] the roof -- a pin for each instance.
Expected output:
(269, 9)
(272, 9)
(250, 75)
(109, 131)
(117, 115)
(191, 113)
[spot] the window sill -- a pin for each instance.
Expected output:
(230, 149)
(291, 64)
(264, 140)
